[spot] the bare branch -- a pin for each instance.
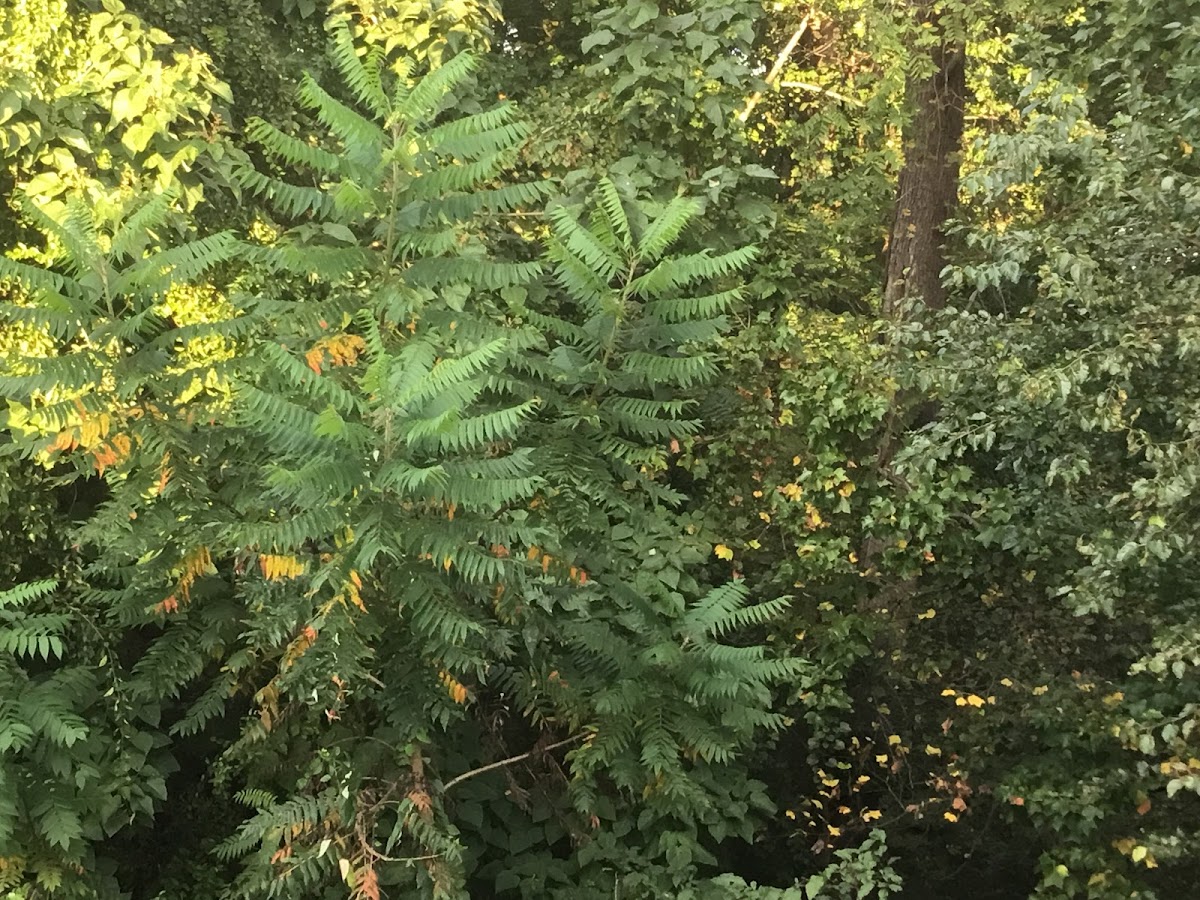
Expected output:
(512, 759)
(773, 75)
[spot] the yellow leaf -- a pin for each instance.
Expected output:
(846, 489)
(870, 815)
(949, 817)
(863, 779)
(723, 552)
(1138, 854)
(754, 545)
(931, 750)
(277, 568)
(791, 490)
(949, 692)
(790, 814)
(1038, 691)
(1114, 698)
(795, 460)
(975, 700)
(882, 759)
(893, 740)
(829, 782)
(786, 417)
(1007, 682)
(928, 614)
(835, 832)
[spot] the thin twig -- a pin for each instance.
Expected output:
(780, 62)
(508, 762)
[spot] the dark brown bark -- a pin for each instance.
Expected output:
(926, 198)
(928, 189)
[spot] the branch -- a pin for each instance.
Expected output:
(816, 88)
(508, 762)
(780, 62)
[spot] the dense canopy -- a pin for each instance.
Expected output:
(523, 449)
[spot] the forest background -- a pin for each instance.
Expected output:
(671, 448)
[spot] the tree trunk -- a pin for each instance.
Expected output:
(925, 199)
(928, 189)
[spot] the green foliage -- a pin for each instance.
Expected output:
(426, 506)
(92, 105)
(408, 495)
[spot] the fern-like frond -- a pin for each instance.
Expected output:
(683, 309)
(684, 371)
(362, 74)
(421, 101)
(35, 277)
(131, 234)
(665, 230)
(670, 274)
(293, 200)
(362, 139)
(604, 261)
(292, 151)
(179, 265)
(614, 212)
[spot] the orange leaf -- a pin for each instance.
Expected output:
(368, 883)
(167, 606)
(164, 474)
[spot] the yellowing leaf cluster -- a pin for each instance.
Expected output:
(195, 563)
(342, 350)
(278, 568)
(457, 691)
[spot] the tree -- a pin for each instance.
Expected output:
(927, 193)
